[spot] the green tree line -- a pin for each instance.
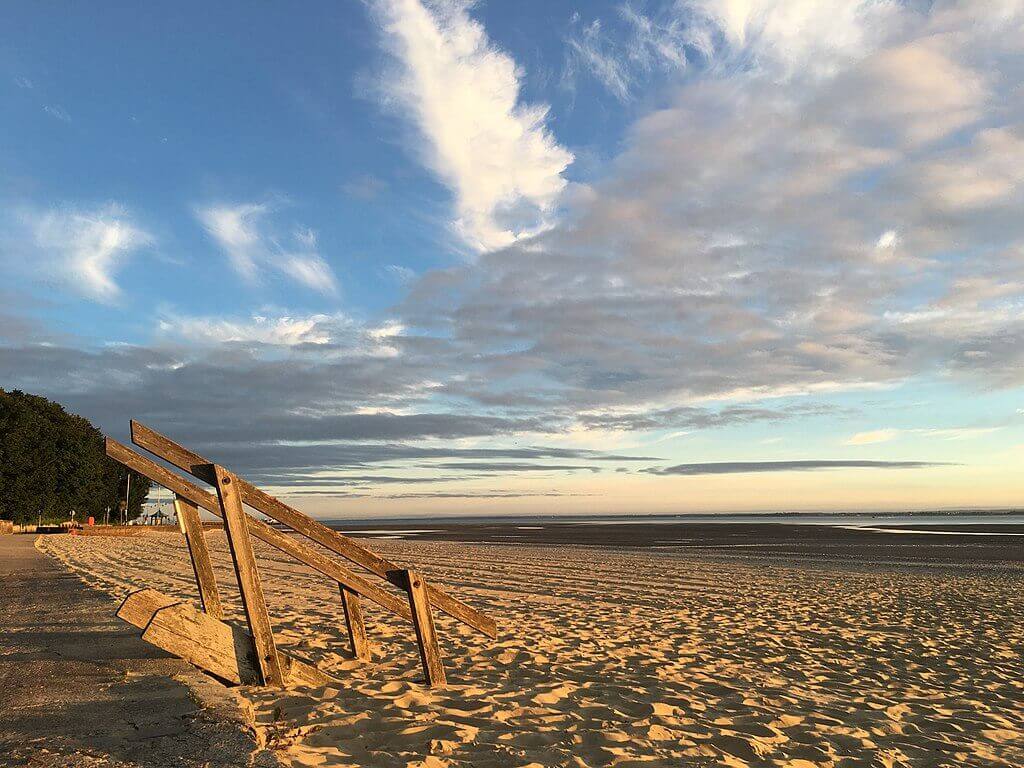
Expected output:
(52, 462)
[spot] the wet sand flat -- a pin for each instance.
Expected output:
(635, 657)
(992, 543)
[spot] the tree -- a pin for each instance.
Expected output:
(52, 461)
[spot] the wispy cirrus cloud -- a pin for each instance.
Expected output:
(243, 232)
(495, 152)
(622, 55)
(235, 229)
(779, 38)
(81, 249)
(57, 112)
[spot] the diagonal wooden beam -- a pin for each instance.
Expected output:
(249, 583)
(354, 623)
(199, 553)
(194, 464)
(282, 541)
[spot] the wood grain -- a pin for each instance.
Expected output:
(426, 635)
(248, 574)
(199, 553)
(138, 608)
(354, 623)
(222, 649)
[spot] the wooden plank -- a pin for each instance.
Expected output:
(222, 649)
(354, 623)
(138, 608)
(426, 635)
(338, 543)
(275, 538)
(248, 574)
(228, 655)
(195, 538)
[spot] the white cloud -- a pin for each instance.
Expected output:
(947, 433)
(84, 249)
(958, 433)
(331, 336)
(243, 234)
(776, 234)
(57, 112)
(887, 240)
(591, 50)
(495, 153)
(400, 273)
(622, 57)
(234, 227)
(311, 271)
(283, 330)
(792, 37)
(872, 437)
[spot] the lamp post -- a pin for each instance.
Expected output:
(127, 498)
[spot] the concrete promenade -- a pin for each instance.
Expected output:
(78, 687)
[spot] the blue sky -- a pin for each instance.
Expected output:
(404, 256)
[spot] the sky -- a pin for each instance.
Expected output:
(400, 257)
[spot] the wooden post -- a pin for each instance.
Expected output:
(192, 526)
(426, 636)
(248, 576)
(354, 623)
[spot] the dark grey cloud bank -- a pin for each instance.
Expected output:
(741, 467)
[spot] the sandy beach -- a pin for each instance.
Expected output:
(632, 657)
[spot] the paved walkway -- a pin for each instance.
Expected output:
(79, 687)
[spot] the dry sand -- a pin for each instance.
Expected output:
(623, 658)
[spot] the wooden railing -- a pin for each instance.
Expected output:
(228, 503)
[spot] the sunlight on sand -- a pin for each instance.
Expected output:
(631, 658)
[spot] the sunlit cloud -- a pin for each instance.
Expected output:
(495, 152)
(873, 437)
(243, 233)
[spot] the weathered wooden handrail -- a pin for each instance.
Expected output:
(282, 541)
(199, 467)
